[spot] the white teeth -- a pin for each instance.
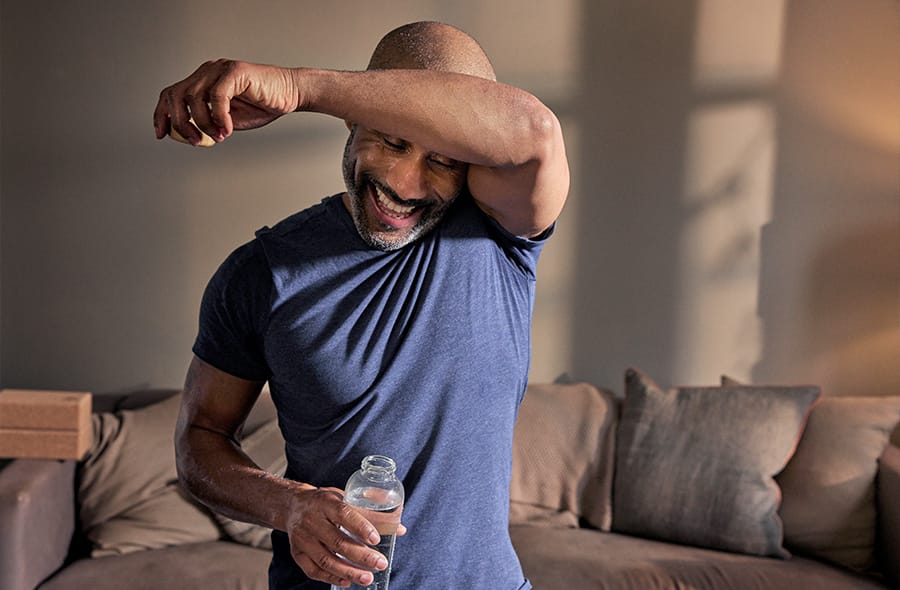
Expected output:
(390, 207)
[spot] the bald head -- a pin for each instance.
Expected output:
(431, 46)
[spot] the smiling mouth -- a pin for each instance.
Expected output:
(390, 207)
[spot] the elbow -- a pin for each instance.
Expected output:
(182, 456)
(186, 468)
(542, 131)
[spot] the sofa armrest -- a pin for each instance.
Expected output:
(889, 512)
(37, 512)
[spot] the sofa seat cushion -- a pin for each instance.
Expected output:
(573, 559)
(224, 564)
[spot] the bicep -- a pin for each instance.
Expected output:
(215, 401)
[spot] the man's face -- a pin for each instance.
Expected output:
(396, 190)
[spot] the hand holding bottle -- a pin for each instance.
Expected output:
(378, 496)
(316, 527)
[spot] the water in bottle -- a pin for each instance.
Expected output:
(377, 493)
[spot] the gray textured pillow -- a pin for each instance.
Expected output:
(695, 465)
(828, 488)
(563, 456)
(265, 446)
(128, 493)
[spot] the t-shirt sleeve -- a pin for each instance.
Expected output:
(466, 219)
(234, 313)
(524, 252)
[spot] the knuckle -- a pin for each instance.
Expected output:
(342, 544)
(309, 567)
(218, 95)
(345, 511)
(323, 561)
(315, 568)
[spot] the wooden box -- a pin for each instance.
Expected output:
(45, 424)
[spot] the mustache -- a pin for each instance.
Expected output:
(394, 196)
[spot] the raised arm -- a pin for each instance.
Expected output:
(518, 172)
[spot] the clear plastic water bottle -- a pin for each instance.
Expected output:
(377, 493)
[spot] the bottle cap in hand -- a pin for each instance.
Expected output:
(205, 140)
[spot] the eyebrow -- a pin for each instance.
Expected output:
(431, 154)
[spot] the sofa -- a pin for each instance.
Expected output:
(770, 487)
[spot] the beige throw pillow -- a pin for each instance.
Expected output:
(128, 493)
(828, 487)
(563, 456)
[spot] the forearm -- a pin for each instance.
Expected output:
(214, 469)
(466, 118)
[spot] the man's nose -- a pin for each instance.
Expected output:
(407, 177)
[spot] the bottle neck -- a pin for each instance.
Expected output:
(379, 468)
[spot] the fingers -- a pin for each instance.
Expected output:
(184, 108)
(325, 538)
(330, 560)
(223, 96)
(205, 140)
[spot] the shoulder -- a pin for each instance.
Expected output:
(324, 228)
(324, 213)
(244, 262)
(467, 220)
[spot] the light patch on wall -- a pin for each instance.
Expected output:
(738, 43)
(728, 197)
(537, 50)
(728, 186)
(849, 83)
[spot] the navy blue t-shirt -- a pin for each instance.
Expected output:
(420, 354)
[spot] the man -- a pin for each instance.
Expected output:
(391, 319)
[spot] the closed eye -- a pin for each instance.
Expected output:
(444, 161)
(393, 142)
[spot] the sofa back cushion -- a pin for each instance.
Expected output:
(563, 456)
(828, 502)
(128, 493)
(695, 465)
(829, 507)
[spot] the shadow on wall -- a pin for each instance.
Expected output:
(847, 335)
(632, 112)
(829, 292)
(796, 278)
